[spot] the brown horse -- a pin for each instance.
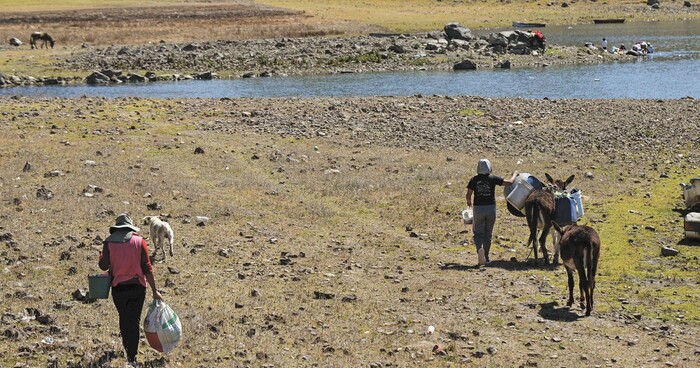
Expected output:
(44, 37)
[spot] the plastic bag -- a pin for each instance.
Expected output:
(468, 216)
(162, 327)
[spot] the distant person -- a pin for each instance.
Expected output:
(482, 188)
(125, 255)
(605, 44)
(623, 49)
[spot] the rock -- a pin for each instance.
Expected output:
(456, 31)
(44, 193)
(668, 251)
(397, 49)
(465, 65)
(198, 150)
(191, 47)
(136, 78)
(97, 78)
(154, 206)
(81, 295)
(687, 4)
(27, 167)
(206, 76)
(588, 175)
(436, 35)
(505, 64)
(224, 252)
(653, 2)
(15, 41)
(322, 295)
(564, 5)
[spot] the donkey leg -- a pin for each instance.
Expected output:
(583, 289)
(556, 237)
(570, 275)
(543, 244)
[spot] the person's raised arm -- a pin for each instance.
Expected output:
(512, 179)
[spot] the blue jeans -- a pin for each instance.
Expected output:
(484, 219)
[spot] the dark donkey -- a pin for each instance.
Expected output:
(539, 212)
(580, 250)
(43, 37)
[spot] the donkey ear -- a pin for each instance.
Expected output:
(549, 178)
(569, 180)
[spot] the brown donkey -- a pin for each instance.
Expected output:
(580, 250)
(539, 212)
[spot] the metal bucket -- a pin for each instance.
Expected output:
(99, 286)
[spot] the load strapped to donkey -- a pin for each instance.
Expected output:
(569, 204)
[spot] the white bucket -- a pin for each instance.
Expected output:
(519, 194)
(468, 216)
(576, 196)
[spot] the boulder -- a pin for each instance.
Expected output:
(397, 49)
(497, 39)
(437, 35)
(431, 46)
(668, 251)
(653, 2)
(191, 47)
(465, 65)
(206, 76)
(504, 64)
(97, 78)
(687, 4)
(15, 41)
(456, 31)
(460, 44)
(137, 78)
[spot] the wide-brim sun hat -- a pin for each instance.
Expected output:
(123, 221)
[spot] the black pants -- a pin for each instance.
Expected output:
(129, 300)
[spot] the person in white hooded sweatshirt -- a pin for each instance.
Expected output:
(482, 188)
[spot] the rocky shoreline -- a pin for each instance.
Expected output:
(454, 47)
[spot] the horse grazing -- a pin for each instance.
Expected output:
(46, 40)
(539, 212)
(580, 250)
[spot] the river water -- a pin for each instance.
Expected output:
(673, 71)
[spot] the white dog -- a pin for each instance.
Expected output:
(159, 230)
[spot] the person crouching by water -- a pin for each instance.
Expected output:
(125, 255)
(483, 188)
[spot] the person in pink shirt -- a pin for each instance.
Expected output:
(125, 255)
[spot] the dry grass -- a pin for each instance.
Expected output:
(346, 234)
(427, 15)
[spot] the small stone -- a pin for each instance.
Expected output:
(668, 251)
(198, 151)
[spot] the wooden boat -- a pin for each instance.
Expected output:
(606, 21)
(528, 25)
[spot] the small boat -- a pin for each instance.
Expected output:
(528, 25)
(606, 21)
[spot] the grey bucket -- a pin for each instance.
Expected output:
(99, 286)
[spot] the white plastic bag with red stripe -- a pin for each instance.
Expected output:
(162, 327)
